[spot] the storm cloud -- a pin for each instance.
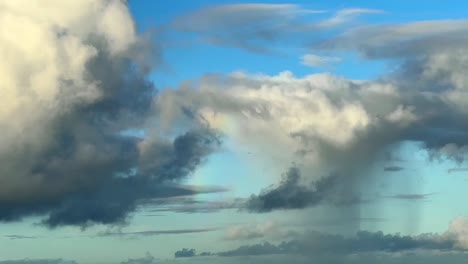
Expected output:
(75, 87)
(291, 194)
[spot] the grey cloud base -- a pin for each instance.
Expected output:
(66, 152)
(291, 194)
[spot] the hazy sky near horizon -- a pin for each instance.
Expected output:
(233, 132)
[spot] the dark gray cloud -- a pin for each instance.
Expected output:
(381, 258)
(342, 125)
(316, 243)
(189, 205)
(292, 194)
(13, 237)
(393, 168)
(411, 196)
(157, 232)
(71, 150)
(185, 253)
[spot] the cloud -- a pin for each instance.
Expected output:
(21, 237)
(410, 196)
(317, 243)
(323, 244)
(393, 168)
(457, 170)
(74, 82)
(156, 232)
(312, 60)
(259, 27)
(429, 257)
(346, 15)
(458, 231)
(38, 261)
(327, 124)
(253, 231)
(245, 26)
(413, 39)
(185, 253)
(190, 205)
(290, 194)
(148, 259)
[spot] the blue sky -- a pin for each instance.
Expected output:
(364, 98)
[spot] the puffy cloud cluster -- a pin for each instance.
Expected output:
(319, 244)
(458, 231)
(74, 81)
(334, 125)
(291, 194)
(185, 253)
(327, 118)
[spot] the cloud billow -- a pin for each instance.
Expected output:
(323, 244)
(185, 253)
(291, 194)
(68, 96)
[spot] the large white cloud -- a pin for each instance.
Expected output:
(74, 76)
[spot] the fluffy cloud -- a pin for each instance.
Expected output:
(458, 231)
(185, 253)
(74, 80)
(333, 125)
(316, 243)
(291, 194)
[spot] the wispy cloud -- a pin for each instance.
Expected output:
(312, 60)
(411, 196)
(345, 15)
(190, 205)
(393, 168)
(13, 237)
(156, 232)
(259, 27)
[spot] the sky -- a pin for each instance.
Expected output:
(205, 131)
